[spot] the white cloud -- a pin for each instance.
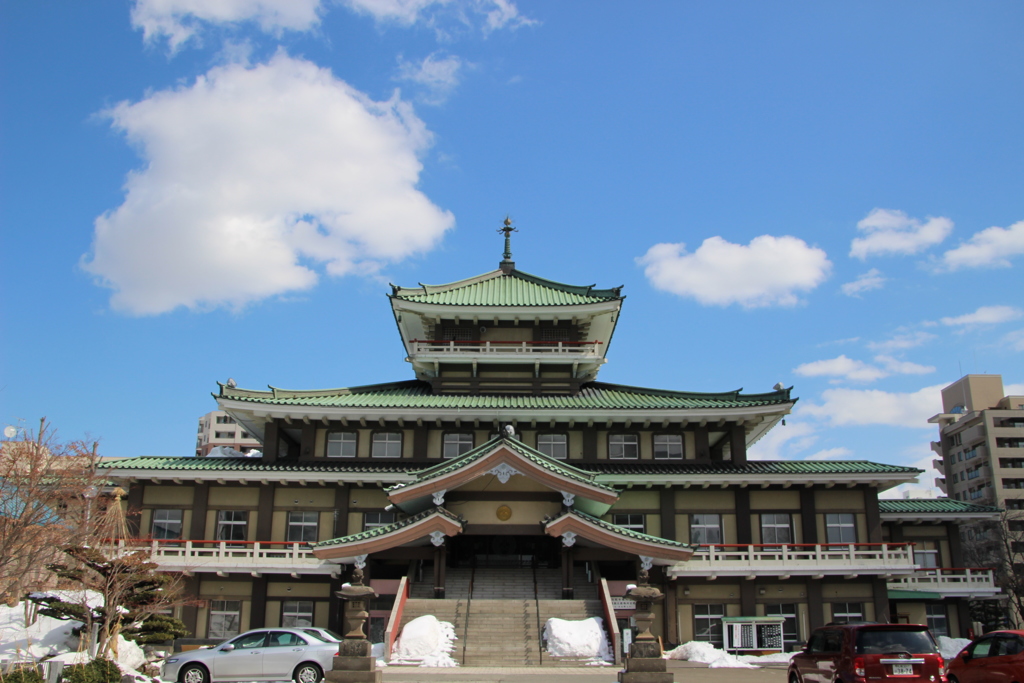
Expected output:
(438, 74)
(495, 14)
(843, 367)
(180, 20)
(902, 341)
(865, 282)
(1013, 389)
(986, 315)
(782, 442)
(894, 232)
(874, 407)
(990, 248)
(767, 272)
(831, 454)
(253, 176)
(903, 367)
(1015, 340)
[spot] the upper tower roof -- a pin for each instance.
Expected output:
(514, 288)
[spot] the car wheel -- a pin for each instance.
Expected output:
(194, 673)
(307, 673)
(954, 679)
(793, 678)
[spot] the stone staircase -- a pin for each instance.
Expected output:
(499, 613)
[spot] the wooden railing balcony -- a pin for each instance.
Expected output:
(567, 349)
(949, 581)
(797, 559)
(271, 557)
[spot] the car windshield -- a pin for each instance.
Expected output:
(875, 642)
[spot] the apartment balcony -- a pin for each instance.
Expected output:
(235, 557)
(949, 582)
(802, 559)
(936, 447)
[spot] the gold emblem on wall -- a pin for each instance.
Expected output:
(504, 513)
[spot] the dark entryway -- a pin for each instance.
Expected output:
(504, 551)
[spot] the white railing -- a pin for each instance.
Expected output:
(797, 558)
(274, 557)
(950, 581)
(561, 348)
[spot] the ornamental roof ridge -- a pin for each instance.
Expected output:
(629, 533)
(388, 528)
(932, 505)
(733, 395)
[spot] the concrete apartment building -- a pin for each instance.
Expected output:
(217, 428)
(504, 472)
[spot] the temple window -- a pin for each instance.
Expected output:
(553, 445)
(776, 527)
(841, 528)
(633, 522)
(296, 613)
(387, 445)
(372, 520)
(231, 525)
(302, 527)
(623, 447)
(457, 443)
(668, 446)
(705, 529)
(167, 524)
(225, 618)
(341, 444)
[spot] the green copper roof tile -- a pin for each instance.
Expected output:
(497, 289)
(752, 468)
(386, 529)
(629, 533)
(931, 505)
(417, 394)
(193, 464)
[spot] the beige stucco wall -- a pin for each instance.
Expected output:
(775, 500)
(303, 497)
(523, 511)
(224, 497)
(839, 500)
(162, 494)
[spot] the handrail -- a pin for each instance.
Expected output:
(395, 619)
(899, 544)
(609, 617)
(503, 341)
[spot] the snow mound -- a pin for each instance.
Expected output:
(425, 641)
(583, 639)
(706, 653)
(950, 647)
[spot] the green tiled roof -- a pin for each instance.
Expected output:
(497, 289)
(387, 528)
(628, 533)
(931, 505)
(417, 394)
(560, 468)
(194, 464)
(753, 467)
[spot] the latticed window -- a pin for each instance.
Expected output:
(553, 445)
(841, 528)
(938, 622)
(387, 445)
(668, 446)
(457, 443)
(776, 528)
(296, 613)
(225, 618)
(302, 527)
(554, 334)
(843, 612)
(633, 522)
(372, 520)
(707, 624)
(457, 334)
(167, 523)
(623, 447)
(341, 444)
(705, 529)
(231, 525)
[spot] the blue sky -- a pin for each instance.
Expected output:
(827, 196)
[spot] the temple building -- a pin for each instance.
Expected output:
(505, 473)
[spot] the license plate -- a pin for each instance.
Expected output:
(902, 669)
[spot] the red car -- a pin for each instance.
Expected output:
(996, 657)
(860, 652)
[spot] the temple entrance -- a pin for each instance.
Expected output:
(504, 551)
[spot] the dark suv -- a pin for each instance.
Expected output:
(857, 652)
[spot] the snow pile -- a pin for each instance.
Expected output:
(377, 652)
(425, 641)
(584, 639)
(950, 647)
(706, 653)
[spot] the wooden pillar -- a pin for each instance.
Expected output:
(668, 587)
(271, 440)
(258, 607)
(567, 587)
(872, 515)
(307, 442)
(200, 496)
(440, 558)
(808, 516)
(590, 444)
(815, 606)
(341, 511)
(190, 613)
(134, 502)
(956, 546)
(880, 593)
(419, 442)
(668, 514)
(738, 445)
(334, 621)
(265, 518)
(701, 444)
(744, 535)
(963, 614)
(748, 599)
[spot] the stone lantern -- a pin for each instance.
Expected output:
(355, 662)
(644, 663)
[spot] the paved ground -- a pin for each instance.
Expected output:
(684, 673)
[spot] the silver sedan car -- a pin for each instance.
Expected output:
(266, 654)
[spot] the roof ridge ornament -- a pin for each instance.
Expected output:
(507, 265)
